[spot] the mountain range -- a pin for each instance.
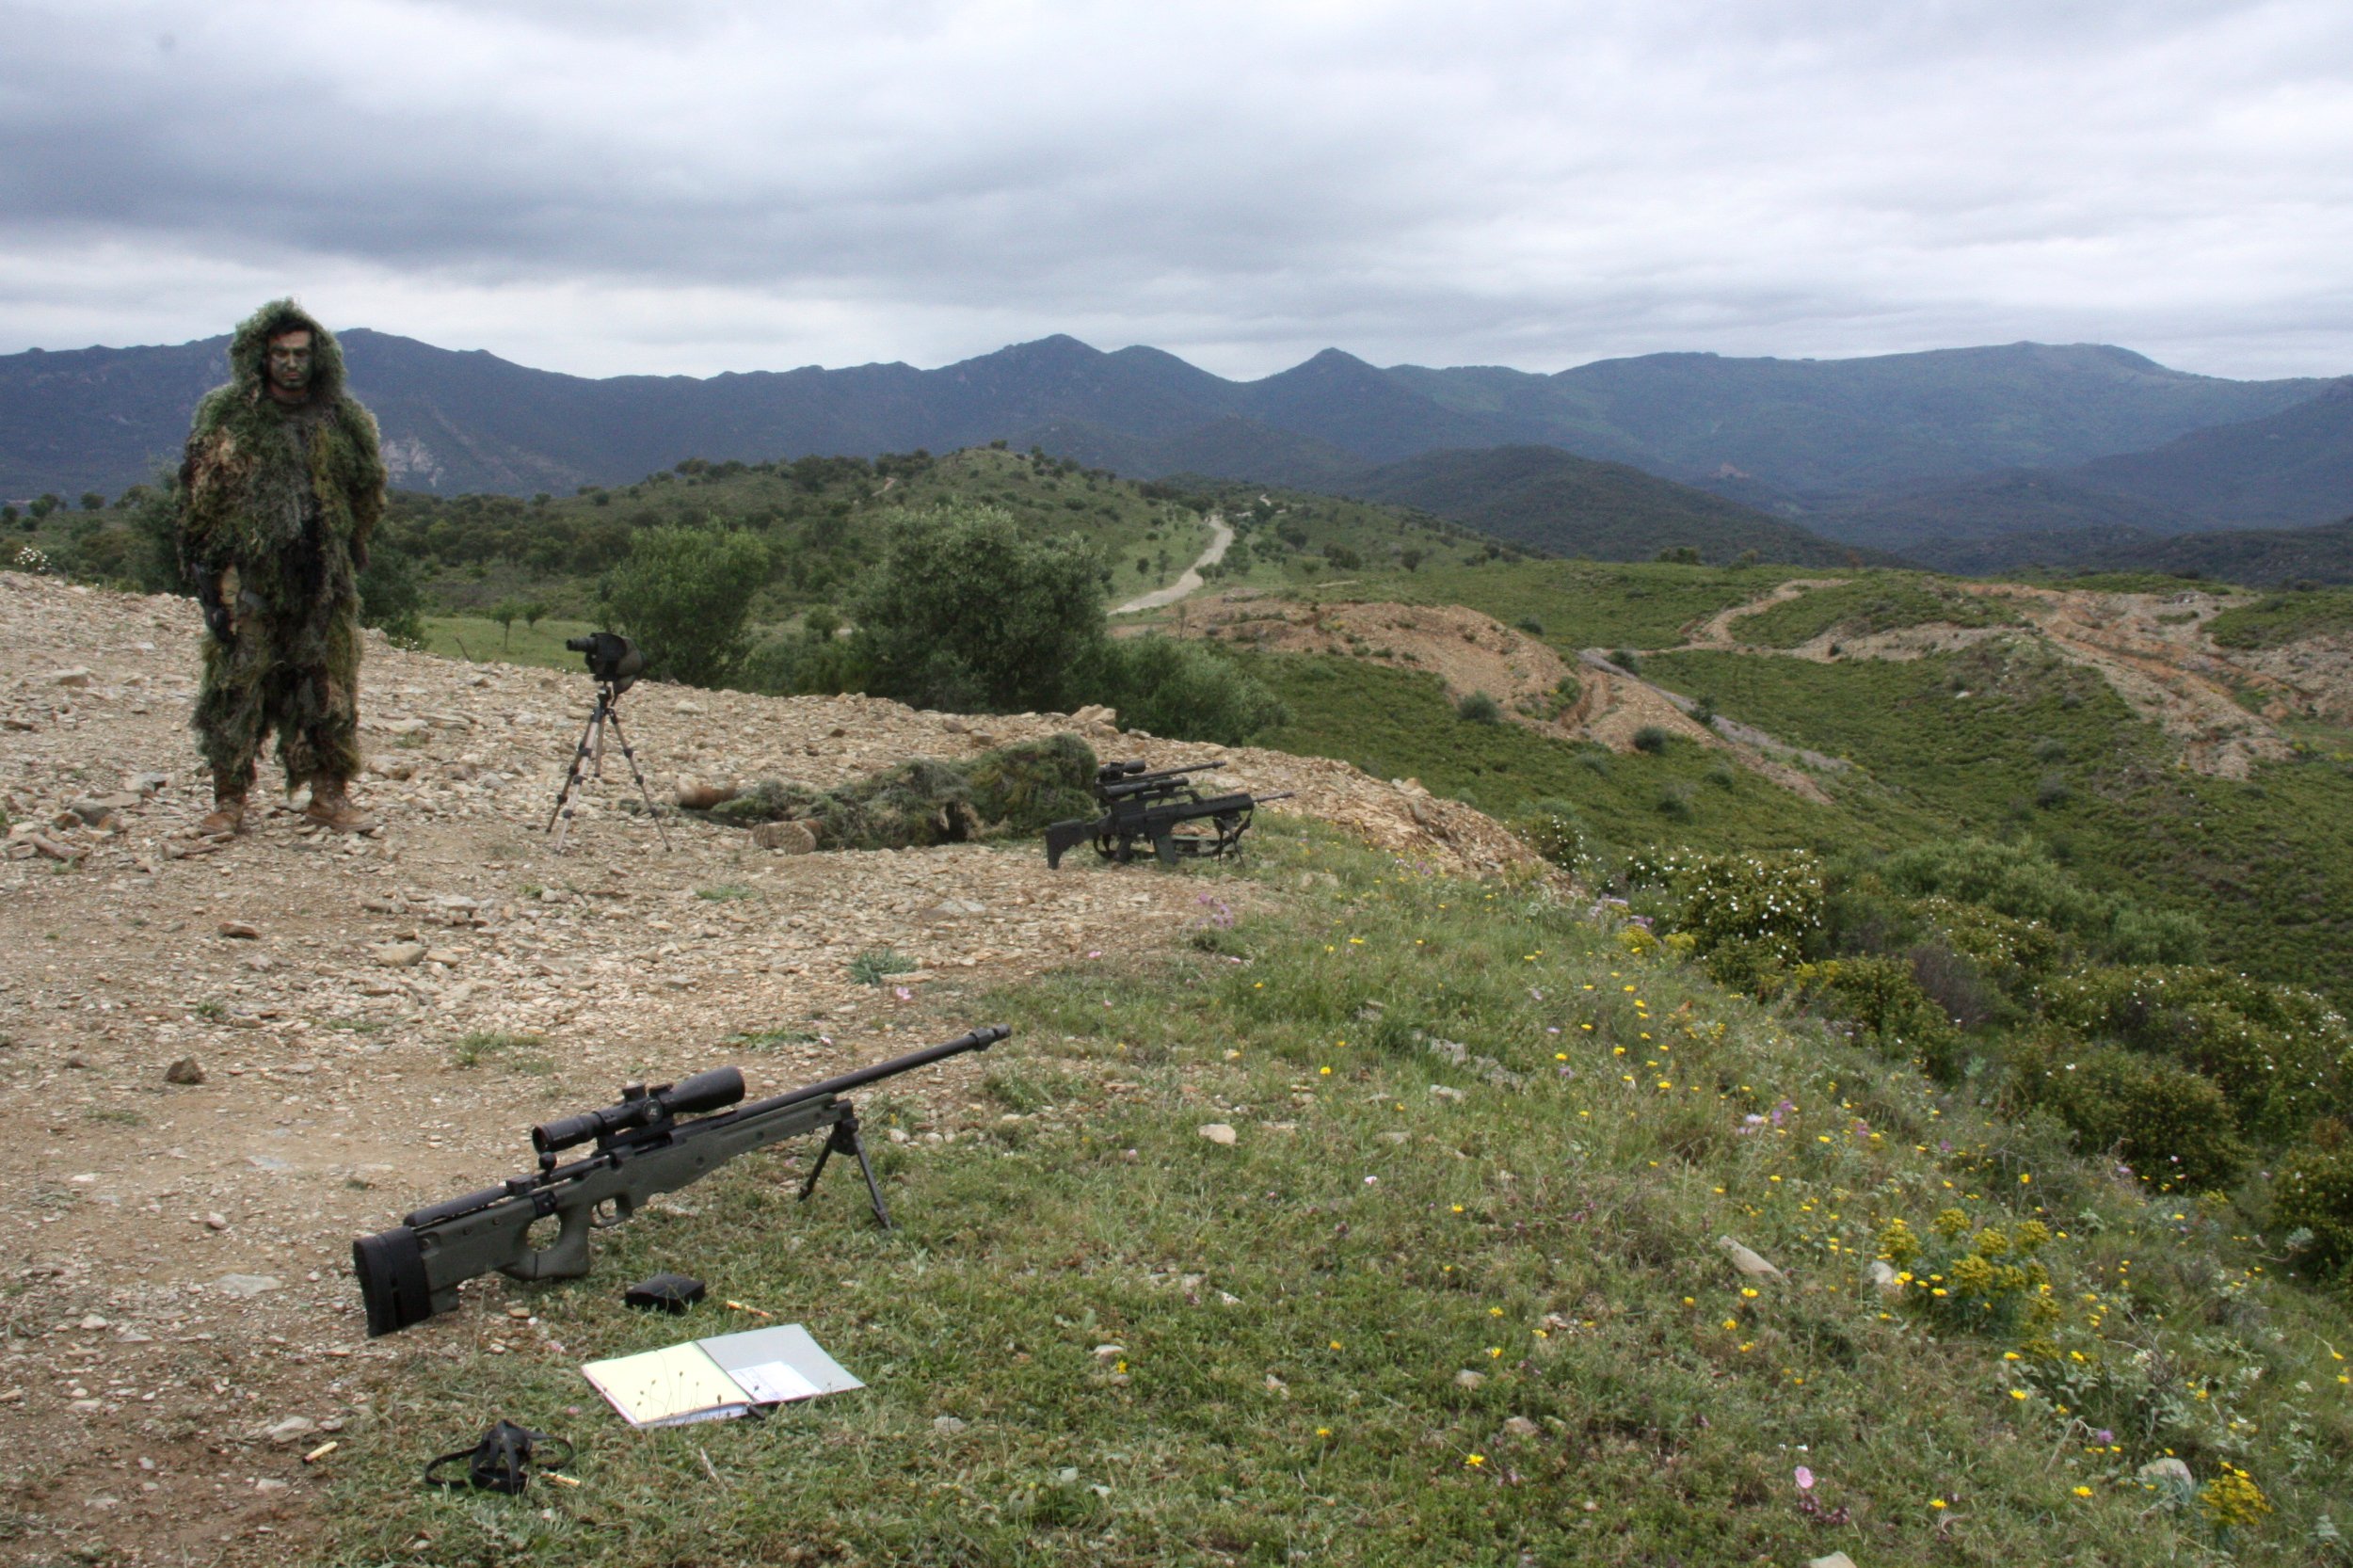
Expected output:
(1938, 454)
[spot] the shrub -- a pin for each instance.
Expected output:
(1750, 916)
(964, 613)
(1186, 691)
(682, 594)
(1553, 831)
(1478, 707)
(1626, 660)
(1882, 997)
(2012, 953)
(1988, 1281)
(2015, 880)
(2315, 1194)
(390, 597)
(2173, 1128)
(2279, 1054)
(2024, 882)
(1651, 738)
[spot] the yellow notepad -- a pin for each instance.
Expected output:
(668, 1387)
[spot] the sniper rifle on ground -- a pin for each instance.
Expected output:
(644, 1147)
(1147, 807)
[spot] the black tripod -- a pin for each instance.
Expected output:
(591, 751)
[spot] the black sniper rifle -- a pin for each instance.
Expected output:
(412, 1271)
(1147, 806)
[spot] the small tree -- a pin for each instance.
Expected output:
(390, 597)
(683, 594)
(507, 611)
(93, 501)
(965, 612)
(534, 611)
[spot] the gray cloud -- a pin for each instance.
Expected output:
(703, 186)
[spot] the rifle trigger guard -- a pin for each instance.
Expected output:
(620, 1210)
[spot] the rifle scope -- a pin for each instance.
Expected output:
(709, 1091)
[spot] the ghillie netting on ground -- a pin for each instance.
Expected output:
(1013, 791)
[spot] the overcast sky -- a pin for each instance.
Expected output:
(701, 185)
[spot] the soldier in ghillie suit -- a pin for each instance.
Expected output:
(281, 488)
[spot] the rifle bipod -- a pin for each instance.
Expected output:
(591, 751)
(845, 1138)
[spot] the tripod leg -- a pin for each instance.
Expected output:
(643, 793)
(572, 777)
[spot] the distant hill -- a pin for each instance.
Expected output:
(1795, 435)
(1823, 428)
(2263, 557)
(2294, 467)
(1546, 499)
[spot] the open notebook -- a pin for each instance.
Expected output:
(709, 1380)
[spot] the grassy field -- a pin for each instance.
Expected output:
(1583, 604)
(1878, 601)
(1458, 1303)
(2002, 741)
(2282, 618)
(1398, 724)
(480, 640)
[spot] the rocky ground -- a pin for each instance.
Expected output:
(222, 1063)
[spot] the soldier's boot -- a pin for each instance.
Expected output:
(226, 818)
(330, 808)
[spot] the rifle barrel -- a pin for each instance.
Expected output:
(979, 1039)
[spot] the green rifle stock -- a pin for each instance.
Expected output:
(643, 1147)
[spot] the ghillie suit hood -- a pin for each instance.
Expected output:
(288, 495)
(249, 352)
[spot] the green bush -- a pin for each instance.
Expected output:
(390, 597)
(1478, 707)
(1651, 738)
(2315, 1193)
(2018, 880)
(2280, 1055)
(1185, 691)
(682, 594)
(2024, 882)
(966, 614)
(815, 661)
(1751, 917)
(1552, 830)
(1886, 1001)
(2173, 1128)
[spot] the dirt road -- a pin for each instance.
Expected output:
(1221, 536)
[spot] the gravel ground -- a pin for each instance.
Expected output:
(177, 1323)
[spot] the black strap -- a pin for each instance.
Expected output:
(501, 1462)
